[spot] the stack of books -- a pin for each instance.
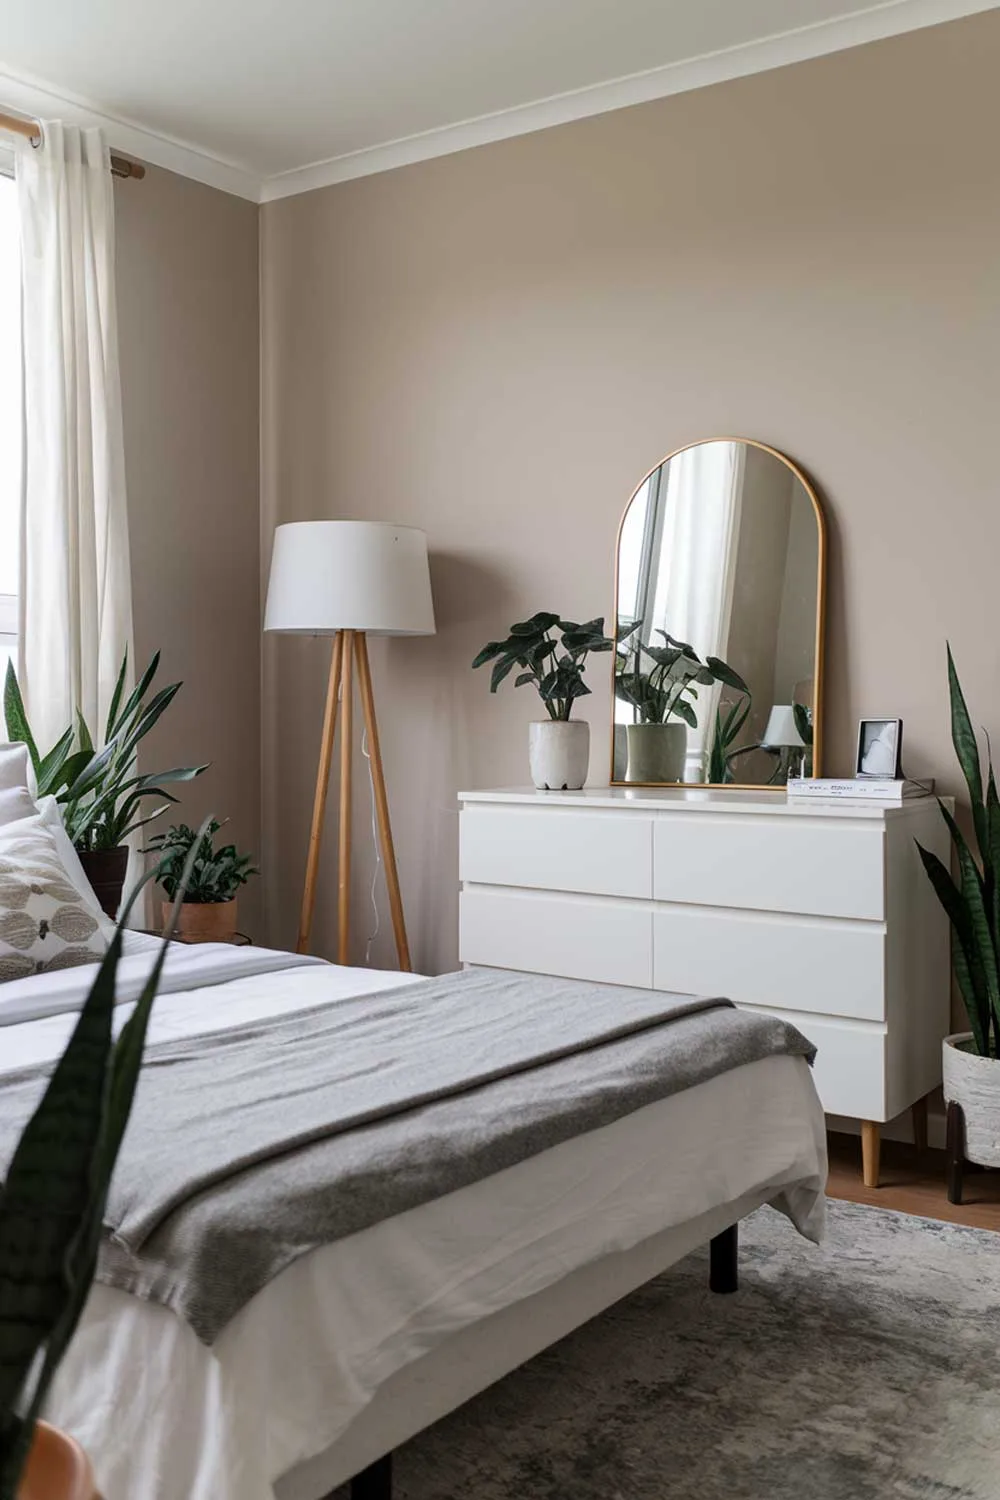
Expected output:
(858, 788)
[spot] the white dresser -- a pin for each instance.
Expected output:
(821, 912)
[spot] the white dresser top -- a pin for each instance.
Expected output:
(695, 799)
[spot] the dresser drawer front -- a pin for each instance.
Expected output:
(606, 941)
(850, 1067)
(770, 864)
(780, 963)
(601, 854)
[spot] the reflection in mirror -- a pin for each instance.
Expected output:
(719, 597)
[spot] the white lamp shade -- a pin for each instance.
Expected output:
(349, 575)
(781, 730)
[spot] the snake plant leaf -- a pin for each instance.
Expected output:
(967, 749)
(83, 734)
(968, 975)
(134, 700)
(48, 772)
(973, 898)
(116, 697)
(16, 719)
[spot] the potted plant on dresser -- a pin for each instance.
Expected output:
(208, 911)
(971, 1060)
(100, 794)
(559, 746)
(663, 696)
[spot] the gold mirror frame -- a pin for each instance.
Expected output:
(818, 705)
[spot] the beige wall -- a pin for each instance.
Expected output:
(187, 305)
(497, 345)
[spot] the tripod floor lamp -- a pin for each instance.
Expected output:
(349, 580)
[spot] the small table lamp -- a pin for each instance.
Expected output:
(349, 579)
(782, 735)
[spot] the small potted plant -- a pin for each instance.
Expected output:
(663, 696)
(558, 747)
(208, 911)
(101, 797)
(971, 1059)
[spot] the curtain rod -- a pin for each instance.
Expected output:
(18, 125)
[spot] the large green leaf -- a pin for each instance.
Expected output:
(18, 730)
(50, 771)
(967, 749)
(968, 971)
(722, 672)
(491, 650)
(116, 697)
(133, 703)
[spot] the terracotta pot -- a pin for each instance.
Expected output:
(559, 754)
(203, 921)
(105, 869)
(57, 1468)
(974, 1083)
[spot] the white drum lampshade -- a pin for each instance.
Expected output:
(349, 575)
(781, 732)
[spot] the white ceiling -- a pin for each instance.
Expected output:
(266, 97)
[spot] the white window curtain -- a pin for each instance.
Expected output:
(694, 590)
(75, 597)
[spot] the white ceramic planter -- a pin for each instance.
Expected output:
(559, 754)
(656, 752)
(974, 1083)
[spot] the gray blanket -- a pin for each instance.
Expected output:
(251, 1147)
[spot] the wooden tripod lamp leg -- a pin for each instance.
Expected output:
(346, 747)
(319, 802)
(382, 803)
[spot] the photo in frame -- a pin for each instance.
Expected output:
(880, 749)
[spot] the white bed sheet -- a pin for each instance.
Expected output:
(164, 1418)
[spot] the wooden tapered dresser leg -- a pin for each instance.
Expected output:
(955, 1145)
(871, 1150)
(919, 1116)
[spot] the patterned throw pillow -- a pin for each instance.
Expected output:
(44, 925)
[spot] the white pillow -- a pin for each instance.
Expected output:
(15, 802)
(15, 768)
(44, 924)
(52, 818)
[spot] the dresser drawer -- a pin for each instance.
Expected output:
(780, 963)
(850, 1067)
(782, 863)
(600, 854)
(606, 941)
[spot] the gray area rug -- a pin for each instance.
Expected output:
(865, 1370)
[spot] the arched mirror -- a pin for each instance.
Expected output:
(718, 662)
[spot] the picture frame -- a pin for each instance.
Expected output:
(880, 750)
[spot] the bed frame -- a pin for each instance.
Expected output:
(375, 1482)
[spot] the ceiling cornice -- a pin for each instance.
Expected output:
(30, 96)
(886, 19)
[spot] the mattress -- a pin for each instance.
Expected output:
(301, 1368)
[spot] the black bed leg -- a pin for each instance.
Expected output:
(955, 1142)
(375, 1482)
(723, 1261)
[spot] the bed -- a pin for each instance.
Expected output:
(360, 1344)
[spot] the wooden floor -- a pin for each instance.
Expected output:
(913, 1183)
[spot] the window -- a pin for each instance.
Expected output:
(10, 416)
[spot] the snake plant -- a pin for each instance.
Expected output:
(973, 901)
(99, 793)
(531, 645)
(52, 1201)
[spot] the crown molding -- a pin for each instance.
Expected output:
(887, 19)
(30, 96)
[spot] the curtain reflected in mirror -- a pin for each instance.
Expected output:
(719, 596)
